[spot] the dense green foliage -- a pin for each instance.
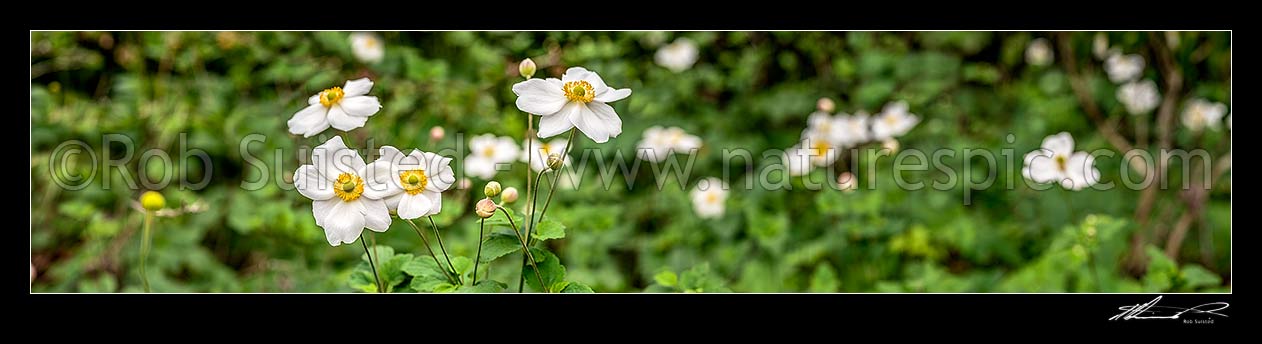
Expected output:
(210, 91)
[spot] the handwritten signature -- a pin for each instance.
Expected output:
(1151, 310)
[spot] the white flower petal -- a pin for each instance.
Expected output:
(435, 201)
(333, 158)
(342, 121)
(598, 121)
(362, 106)
(314, 99)
(1062, 144)
(376, 215)
(311, 184)
(392, 202)
(540, 96)
(555, 124)
(309, 121)
(343, 223)
(357, 87)
(414, 206)
(612, 95)
(320, 210)
(475, 166)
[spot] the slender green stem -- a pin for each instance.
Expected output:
(478, 258)
(144, 249)
(530, 257)
(530, 228)
(438, 236)
(556, 178)
(371, 263)
(1069, 204)
(416, 229)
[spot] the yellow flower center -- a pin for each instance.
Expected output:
(820, 148)
(331, 96)
(545, 148)
(370, 42)
(414, 181)
(348, 187)
(1061, 162)
(891, 120)
(711, 198)
(579, 91)
(489, 151)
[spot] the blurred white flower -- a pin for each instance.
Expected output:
(854, 128)
(411, 184)
(659, 142)
(1039, 52)
(1100, 45)
(797, 161)
(342, 108)
(893, 121)
(1139, 97)
(708, 197)
(542, 150)
(367, 47)
(677, 56)
(822, 125)
(487, 152)
(341, 204)
(578, 99)
(1124, 68)
(1200, 114)
(1056, 162)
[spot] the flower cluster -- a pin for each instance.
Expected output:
(827, 135)
(659, 143)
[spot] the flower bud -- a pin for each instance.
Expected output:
(492, 189)
(437, 133)
(891, 145)
(526, 68)
(465, 184)
(826, 105)
(485, 208)
(846, 182)
(554, 162)
(509, 195)
(152, 200)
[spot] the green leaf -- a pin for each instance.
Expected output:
(824, 280)
(484, 286)
(423, 266)
(666, 278)
(550, 270)
(549, 229)
(462, 265)
(1195, 277)
(445, 288)
(380, 253)
(499, 220)
(577, 287)
(698, 279)
(498, 245)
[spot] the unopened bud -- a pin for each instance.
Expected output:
(554, 161)
(465, 184)
(846, 182)
(826, 105)
(509, 195)
(526, 68)
(152, 201)
(437, 133)
(492, 189)
(891, 145)
(485, 208)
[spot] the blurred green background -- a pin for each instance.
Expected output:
(753, 90)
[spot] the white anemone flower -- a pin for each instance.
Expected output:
(659, 143)
(1039, 52)
(343, 108)
(1124, 68)
(677, 56)
(539, 162)
(488, 151)
(367, 47)
(342, 205)
(411, 184)
(797, 161)
(893, 121)
(1056, 162)
(708, 198)
(1139, 97)
(832, 128)
(578, 99)
(1200, 114)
